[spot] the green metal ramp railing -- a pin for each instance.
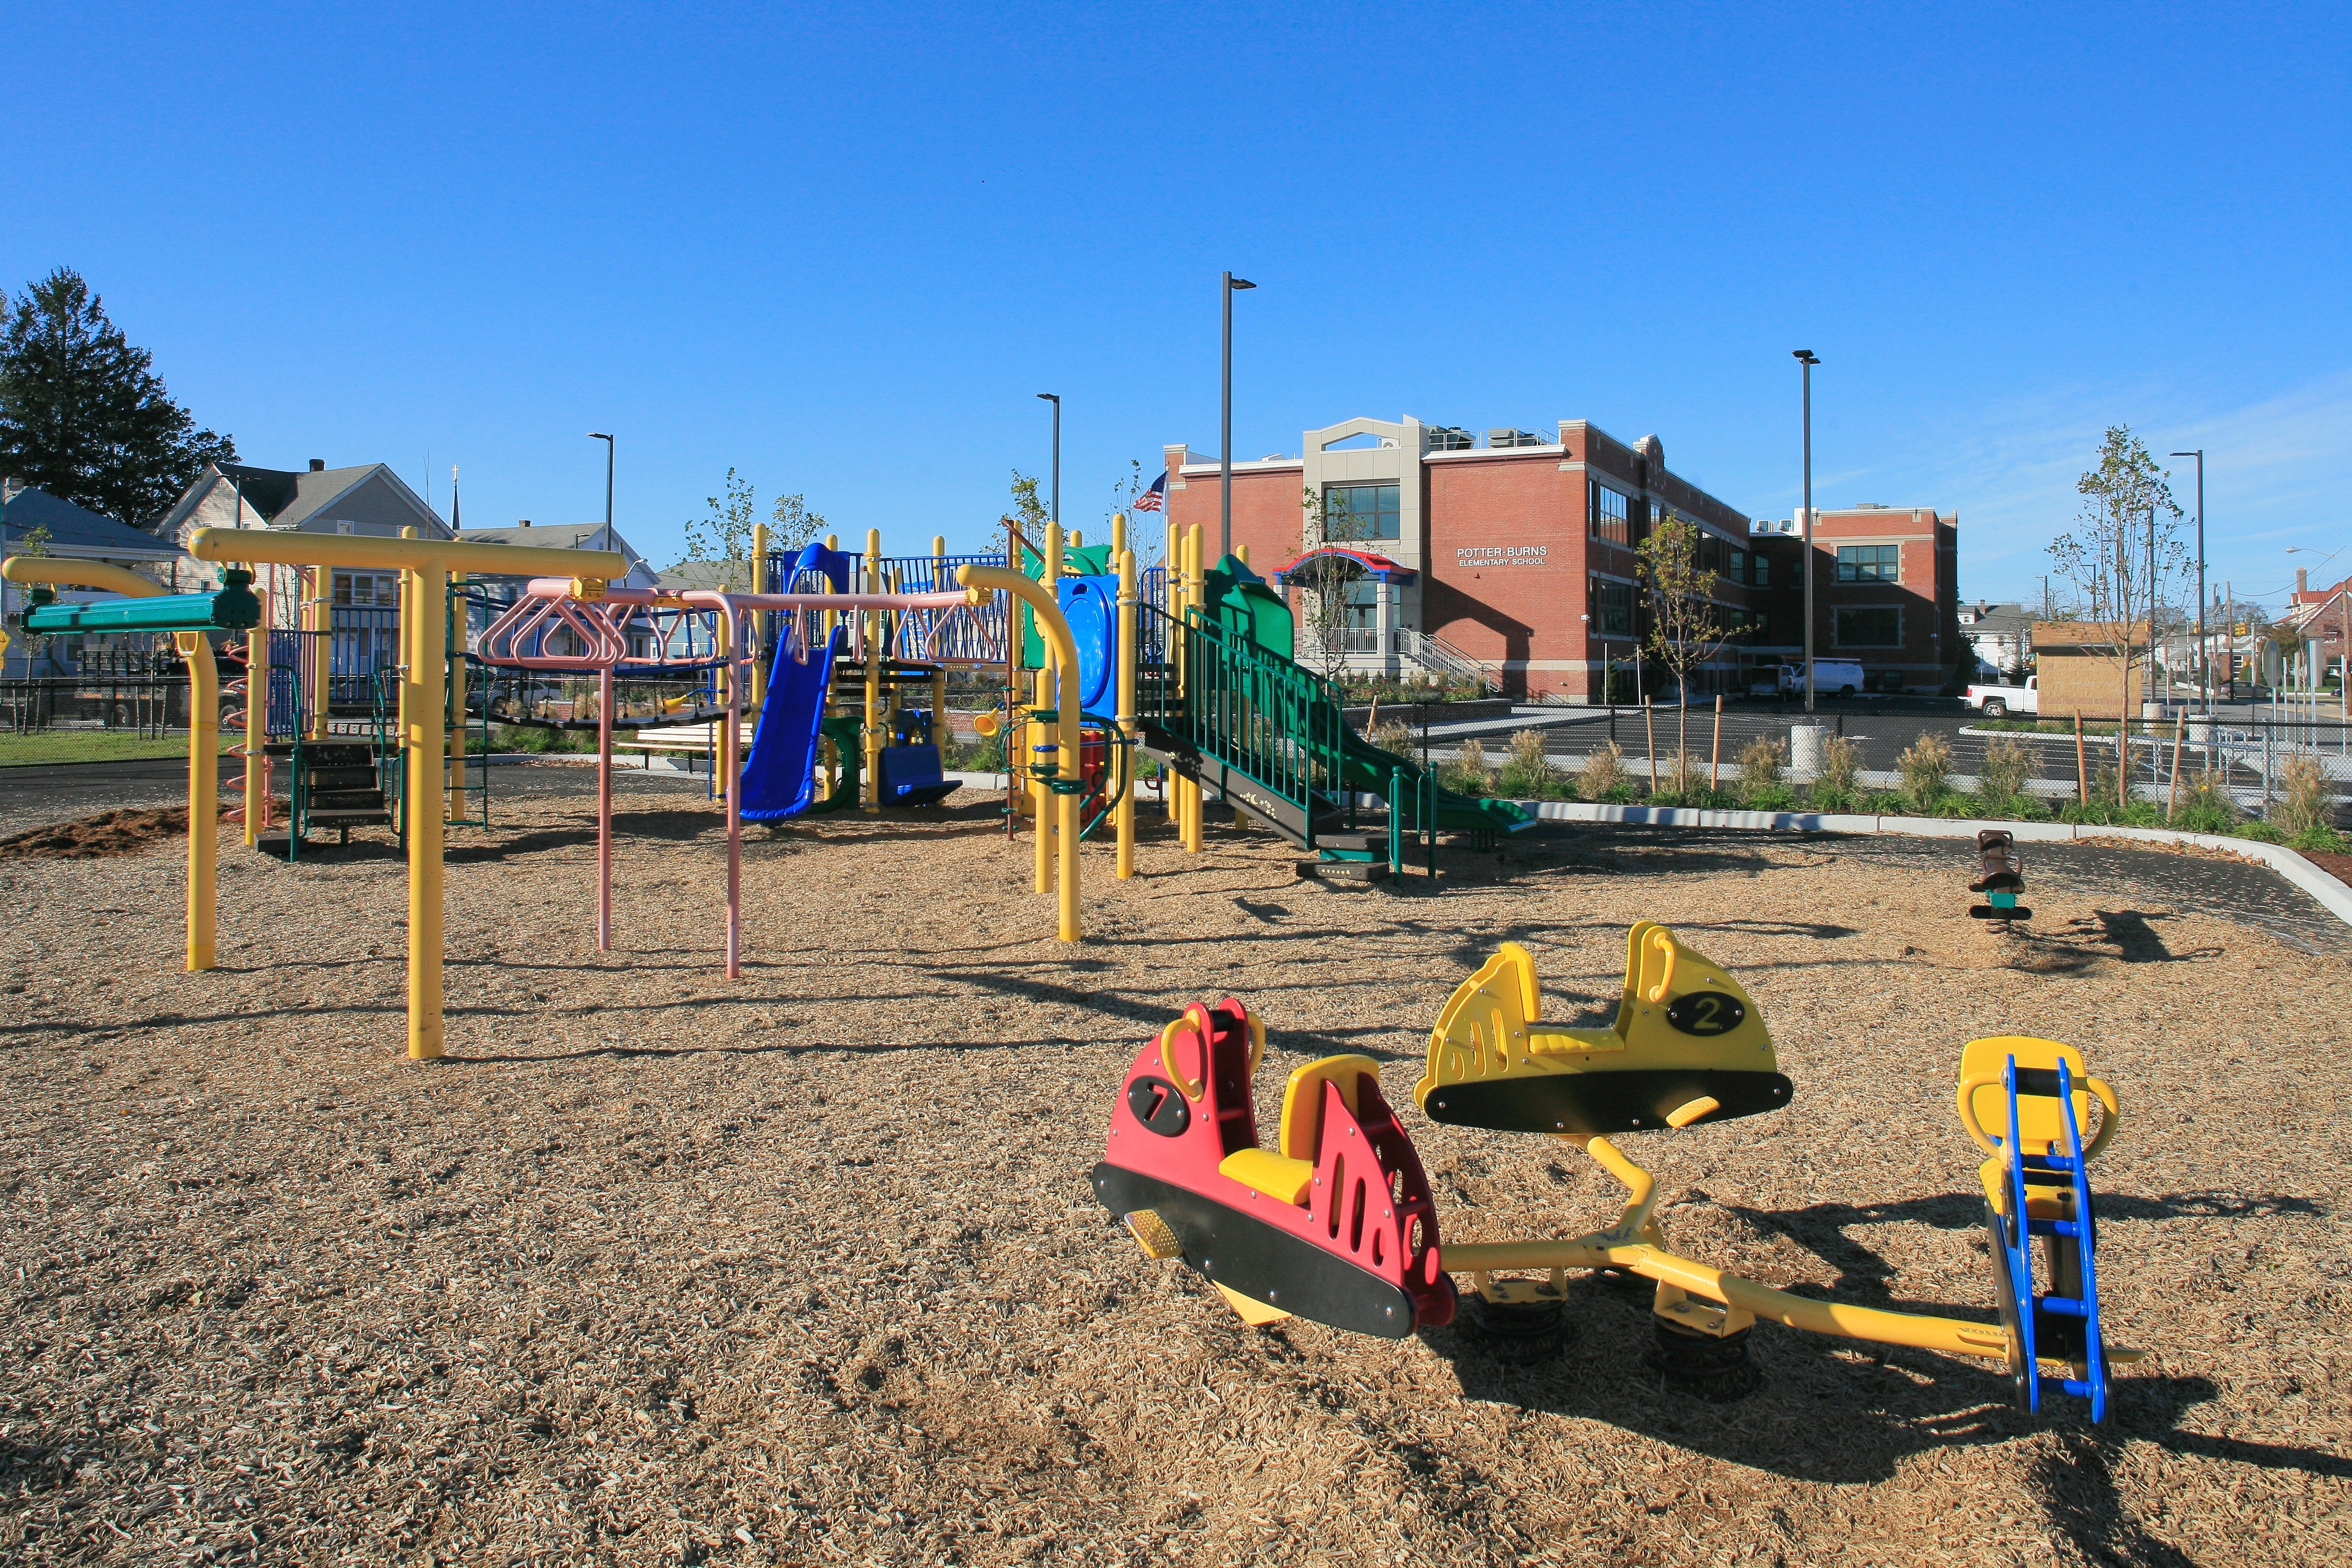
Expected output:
(1270, 735)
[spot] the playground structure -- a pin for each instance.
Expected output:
(2000, 877)
(1336, 1223)
(1193, 665)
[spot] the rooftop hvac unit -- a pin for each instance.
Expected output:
(1515, 438)
(1448, 438)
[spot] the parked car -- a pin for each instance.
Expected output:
(1831, 678)
(2001, 702)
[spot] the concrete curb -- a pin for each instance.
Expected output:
(2333, 896)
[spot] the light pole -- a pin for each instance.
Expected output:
(1805, 358)
(1225, 428)
(1055, 399)
(600, 435)
(2204, 648)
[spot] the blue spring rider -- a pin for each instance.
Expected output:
(2037, 1188)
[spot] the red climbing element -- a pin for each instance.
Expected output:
(1337, 1225)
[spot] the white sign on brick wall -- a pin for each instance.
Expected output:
(1477, 557)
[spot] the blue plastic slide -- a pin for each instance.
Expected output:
(779, 775)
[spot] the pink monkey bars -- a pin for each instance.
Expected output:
(603, 626)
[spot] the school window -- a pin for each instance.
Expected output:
(1759, 571)
(1870, 564)
(1613, 608)
(1360, 512)
(1607, 514)
(1870, 627)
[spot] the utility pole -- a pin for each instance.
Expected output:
(1805, 358)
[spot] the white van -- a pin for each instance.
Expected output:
(1831, 678)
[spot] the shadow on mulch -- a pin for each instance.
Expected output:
(1843, 1413)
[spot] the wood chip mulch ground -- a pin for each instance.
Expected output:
(92, 838)
(804, 1268)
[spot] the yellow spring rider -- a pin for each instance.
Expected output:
(1687, 1046)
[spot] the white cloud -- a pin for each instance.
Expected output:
(2277, 472)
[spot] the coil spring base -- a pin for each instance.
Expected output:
(1516, 1334)
(1715, 1370)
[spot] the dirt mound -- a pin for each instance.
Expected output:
(121, 832)
(94, 837)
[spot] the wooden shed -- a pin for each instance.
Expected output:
(2080, 664)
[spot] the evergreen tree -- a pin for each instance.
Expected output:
(81, 414)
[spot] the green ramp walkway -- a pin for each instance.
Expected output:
(1222, 707)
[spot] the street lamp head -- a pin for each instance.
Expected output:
(1239, 283)
(2199, 453)
(1051, 396)
(1804, 356)
(598, 436)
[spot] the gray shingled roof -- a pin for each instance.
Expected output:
(77, 530)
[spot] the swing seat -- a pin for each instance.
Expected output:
(1687, 1046)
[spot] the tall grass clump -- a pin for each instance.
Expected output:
(1762, 764)
(1472, 774)
(2206, 807)
(1840, 763)
(1393, 736)
(2007, 765)
(1926, 771)
(1528, 772)
(1604, 776)
(2301, 810)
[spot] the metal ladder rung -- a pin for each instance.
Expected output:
(2064, 1306)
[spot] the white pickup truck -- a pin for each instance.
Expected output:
(2001, 702)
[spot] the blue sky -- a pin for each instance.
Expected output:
(841, 249)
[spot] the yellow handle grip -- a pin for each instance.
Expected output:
(1191, 1088)
(1968, 1087)
(2096, 1087)
(1258, 1040)
(1664, 944)
(2108, 1122)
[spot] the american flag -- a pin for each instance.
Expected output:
(1156, 497)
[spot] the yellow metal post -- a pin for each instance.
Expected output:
(256, 726)
(873, 646)
(422, 735)
(1049, 823)
(204, 792)
(429, 560)
(1195, 795)
(322, 621)
(1125, 818)
(1062, 651)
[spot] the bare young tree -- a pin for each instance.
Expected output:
(2124, 548)
(1325, 582)
(1686, 625)
(795, 525)
(723, 535)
